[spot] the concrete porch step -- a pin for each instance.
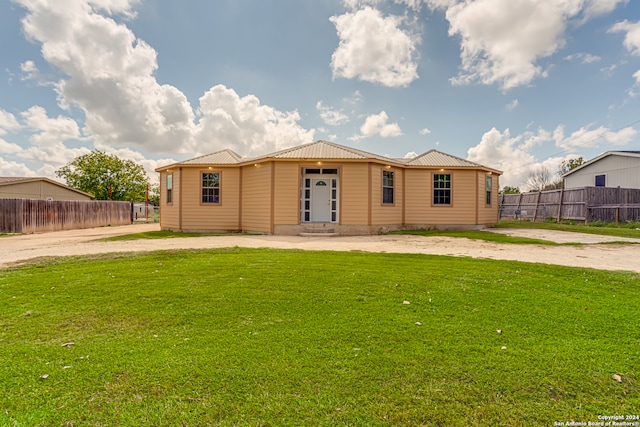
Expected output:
(319, 231)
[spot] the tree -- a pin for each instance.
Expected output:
(569, 165)
(510, 190)
(106, 176)
(541, 179)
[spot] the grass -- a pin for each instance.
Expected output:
(482, 235)
(596, 228)
(268, 337)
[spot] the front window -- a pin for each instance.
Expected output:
(387, 187)
(170, 188)
(601, 180)
(211, 187)
(489, 183)
(442, 189)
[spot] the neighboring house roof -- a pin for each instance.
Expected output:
(602, 156)
(9, 180)
(329, 150)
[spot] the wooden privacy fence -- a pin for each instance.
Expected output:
(586, 204)
(36, 216)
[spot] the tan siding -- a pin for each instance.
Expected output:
(354, 197)
(256, 198)
(169, 213)
(420, 209)
(287, 194)
(487, 215)
(386, 214)
(418, 196)
(210, 217)
(39, 190)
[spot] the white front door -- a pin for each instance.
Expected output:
(320, 200)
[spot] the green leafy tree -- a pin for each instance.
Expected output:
(569, 165)
(510, 190)
(106, 176)
(154, 194)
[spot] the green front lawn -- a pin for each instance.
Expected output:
(625, 230)
(269, 337)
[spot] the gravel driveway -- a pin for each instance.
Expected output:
(594, 254)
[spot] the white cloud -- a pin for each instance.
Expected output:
(600, 7)
(330, 116)
(357, 4)
(9, 147)
(501, 41)
(109, 74)
(245, 125)
(410, 155)
(503, 152)
(513, 154)
(512, 105)
(49, 131)
(631, 39)
(585, 137)
(585, 58)
(354, 99)
(632, 36)
(8, 122)
(374, 48)
(10, 168)
(425, 131)
(376, 124)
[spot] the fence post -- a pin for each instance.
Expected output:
(559, 218)
(535, 212)
(518, 208)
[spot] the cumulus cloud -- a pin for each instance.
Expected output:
(330, 116)
(243, 124)
(377, 124)
(8, 122)
(586, 137)
(631, 39)
(11, 168)
(109, 74)
(374, 48)
(501, 41)
(9, 147)
(501, 151)
(512, 154)
(425, 131)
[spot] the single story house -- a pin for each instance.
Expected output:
(323, 186)
(38, 188)
(610, 169)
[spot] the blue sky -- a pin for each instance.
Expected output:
(512, 84)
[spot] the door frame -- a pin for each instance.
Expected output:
(308, 175)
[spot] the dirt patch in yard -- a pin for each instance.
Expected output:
(594, 253)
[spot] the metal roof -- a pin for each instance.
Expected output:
(437, 158)
(8, 180)
(324, 150)
(224, 157)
